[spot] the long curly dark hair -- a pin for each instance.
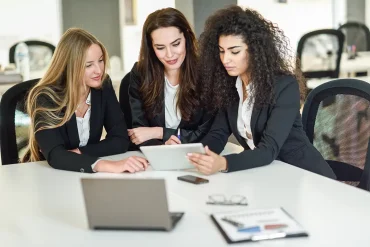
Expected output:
(269, 56)
(152, 70)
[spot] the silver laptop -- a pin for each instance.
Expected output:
(171, 157)
(128, 204)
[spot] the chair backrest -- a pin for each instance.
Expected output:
(40, 54)
(124, 100)
(319, 53)
(14, 122)
(357, 34)
(336, 118)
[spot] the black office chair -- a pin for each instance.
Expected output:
(336, 118)
(319, 53)
(40, 54)
(124, 102)
(14, 122)
(357, 34)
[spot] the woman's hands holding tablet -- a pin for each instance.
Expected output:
(208, 163)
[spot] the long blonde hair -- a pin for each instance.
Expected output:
(53, 100)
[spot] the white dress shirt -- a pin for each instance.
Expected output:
(83, 126)
(245, 113)
(172, 115)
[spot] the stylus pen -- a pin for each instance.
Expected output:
(178, 134)
(233, 222)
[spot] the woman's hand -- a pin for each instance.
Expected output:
(173, 140)
(208, 163)
(143, 134)
(132, 164)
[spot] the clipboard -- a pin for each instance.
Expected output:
(232, 225)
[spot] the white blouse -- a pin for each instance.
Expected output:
(83, 124)
(172, 115)
(245, 114)
(83, 127)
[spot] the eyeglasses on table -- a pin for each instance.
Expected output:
(234, 200)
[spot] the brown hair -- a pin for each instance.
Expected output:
(151, 70)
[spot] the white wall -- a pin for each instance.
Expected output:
(367, 13)
(339, 12)
(296, 17)
(28, 19)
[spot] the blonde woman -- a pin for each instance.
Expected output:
(70, 106)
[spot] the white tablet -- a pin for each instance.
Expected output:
(171, 157)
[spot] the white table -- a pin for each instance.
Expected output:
(41, 206)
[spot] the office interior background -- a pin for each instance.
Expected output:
(39, 200)
(118, 23)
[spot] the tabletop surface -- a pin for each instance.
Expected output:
(41, 206)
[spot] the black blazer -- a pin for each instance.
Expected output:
(277, 134)
(105, 111)
(191, 131)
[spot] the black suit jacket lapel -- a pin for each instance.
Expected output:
(183, 123)
(96, 113)
(255, 114)
(233, 119)
(160, 118)
(73, 132)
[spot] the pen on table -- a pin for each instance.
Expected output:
(178, 134)
(233, 222)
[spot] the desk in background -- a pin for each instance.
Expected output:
(348, 67)
(42, 206)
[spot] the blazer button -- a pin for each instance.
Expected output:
(82, 170)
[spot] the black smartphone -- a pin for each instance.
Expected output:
(193, 179)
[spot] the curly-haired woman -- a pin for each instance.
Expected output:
(248, 78)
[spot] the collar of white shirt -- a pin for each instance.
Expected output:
(239, 88)
(88, 99)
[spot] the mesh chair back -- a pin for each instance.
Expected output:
(319, 53)
(40, 54)
(336, 119)
(357, 34)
